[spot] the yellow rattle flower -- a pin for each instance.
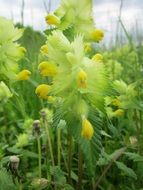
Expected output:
(118, 112)
(97, 57)
(97, 35)
(81, 79)
(23, 75)
(87, 47)
(87, 129)
(47, 69)
(42, 91)
(44, 49)
(52, 19)
(116, 102)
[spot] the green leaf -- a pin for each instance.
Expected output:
(59, 175)
(127, 171)
(6, 182)
(91, 148)
(103, 133)
(134, 156)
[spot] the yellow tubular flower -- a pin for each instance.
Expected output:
(97, 35)
(97, 57)
(87, 47)
(87, 129)
(51, 99)
(47, 69)
(116, 102)
(44, 49)
(81, 79)
(52, 19)
(23, 75)
(118, 112)
(42, 91)
(22, 49)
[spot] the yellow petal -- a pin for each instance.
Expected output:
(47, 69)
(52, 19)
(116, 102)
(97, 35)
(118, 112)
(87, 129)
(81, 79)
(97, 57)
(87, 47)
(43, 90)
(44, 49)
(23, 75)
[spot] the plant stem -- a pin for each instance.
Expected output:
(80, 170)
(59, 146)
(39, 156)
(69, 158)
(50, 144)
(122, 150)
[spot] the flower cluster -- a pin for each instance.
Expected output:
(10, 51)
(79, 80)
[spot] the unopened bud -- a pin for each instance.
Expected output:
(14, 163)
(36, 128)
(39, 183)
(133, 140)
(43, 114)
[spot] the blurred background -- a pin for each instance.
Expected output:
(106, 13)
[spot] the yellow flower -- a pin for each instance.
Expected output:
(44, 49)
(81, 79)
(42, 91)
(118, 112)
(22, 49)
(97, 35)
(52, 19)
(51, 99)
(116, 102)
(97, 57)
(47, 69)
(23, 75)
(87, 47)
(87, 129)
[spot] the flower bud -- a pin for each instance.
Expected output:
(52, 19)
(23, 75)
(118, 113)
(133, 140)
(39, 183)
(97, 35)
(14, 163)
(44, 49)
(81, 79)
(42, 91)
(97, 57)
(36, 128)
(87, 129)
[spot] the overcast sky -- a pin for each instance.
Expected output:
(105, 13)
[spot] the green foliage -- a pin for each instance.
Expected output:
(108, 94)
(6, 181)
(126, 170)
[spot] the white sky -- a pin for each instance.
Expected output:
(105, 13)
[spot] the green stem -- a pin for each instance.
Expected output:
(50, 144)
(69, 158)
(117, 156)
(18, 184)
(50, 148)
(39, 156)
(59, 146)
(80, 170)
